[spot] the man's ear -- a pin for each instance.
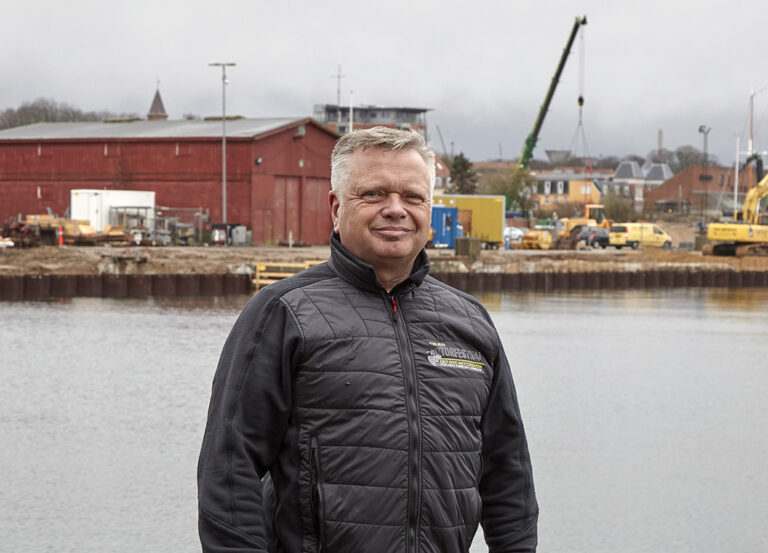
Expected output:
(334, 203)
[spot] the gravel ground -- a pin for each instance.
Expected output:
(203, 260)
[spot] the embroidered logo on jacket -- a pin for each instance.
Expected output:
(454, 358)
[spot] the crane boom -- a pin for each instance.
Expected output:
(530, 142)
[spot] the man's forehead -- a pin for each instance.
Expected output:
(370, 177)
(387, 158)
(367, 151)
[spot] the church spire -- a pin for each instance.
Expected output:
(157, 111)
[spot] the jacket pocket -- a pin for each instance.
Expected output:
(318, 503)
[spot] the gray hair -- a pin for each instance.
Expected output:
(383, 138)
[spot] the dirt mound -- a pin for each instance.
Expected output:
(78, 260)
(74, 260)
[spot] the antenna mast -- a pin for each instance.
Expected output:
(338, 76)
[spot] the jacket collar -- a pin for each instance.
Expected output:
(360, 274)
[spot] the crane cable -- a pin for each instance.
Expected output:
(580, 134)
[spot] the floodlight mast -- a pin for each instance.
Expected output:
(223, 66)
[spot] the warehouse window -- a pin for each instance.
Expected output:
(44, 192)
(41, 152)
(182, 149)
(111, 150)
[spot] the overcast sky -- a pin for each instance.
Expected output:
(483, 67)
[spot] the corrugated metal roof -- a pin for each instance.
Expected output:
(147, 129)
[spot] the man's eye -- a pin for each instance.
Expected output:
(414, 198)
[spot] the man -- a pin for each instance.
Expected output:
(379, 400)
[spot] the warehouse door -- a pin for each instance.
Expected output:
(316, 216)
(285, 214)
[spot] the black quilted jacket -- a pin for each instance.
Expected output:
(389, 422)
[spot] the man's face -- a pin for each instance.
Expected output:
(384, 215)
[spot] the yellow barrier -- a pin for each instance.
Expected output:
(269, 272)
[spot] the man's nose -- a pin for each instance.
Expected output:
(394, 206)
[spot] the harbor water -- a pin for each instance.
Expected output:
(645, 410)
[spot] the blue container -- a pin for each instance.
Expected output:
(446, 227)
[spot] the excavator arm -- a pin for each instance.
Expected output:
(752, 202)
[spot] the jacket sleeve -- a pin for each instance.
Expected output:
(248, 414)
(510, 510)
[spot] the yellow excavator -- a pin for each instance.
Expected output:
(565, 235)
(741, 238)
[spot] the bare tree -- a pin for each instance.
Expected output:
(618, 208)
(682, 158)
(49, 111)
(509, 182)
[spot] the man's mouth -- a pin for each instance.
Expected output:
(392, 232)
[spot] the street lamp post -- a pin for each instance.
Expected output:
(223, 66)
(704, 130)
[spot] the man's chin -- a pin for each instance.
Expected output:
(396, 250)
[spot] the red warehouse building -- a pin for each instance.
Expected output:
(278, 170)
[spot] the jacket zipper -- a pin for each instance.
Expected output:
(414, 429)
(318, 506)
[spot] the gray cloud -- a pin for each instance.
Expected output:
(483, 68)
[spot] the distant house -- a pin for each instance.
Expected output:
(657, 174)
(699, 190)
(553, 187)
(628, 181)
(442, 176)
(567, 185)
(634, 182)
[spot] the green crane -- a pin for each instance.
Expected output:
(530, 142)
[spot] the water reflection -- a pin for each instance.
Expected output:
(645, 412)
(729, 299)
(236, 302)
(741, 299)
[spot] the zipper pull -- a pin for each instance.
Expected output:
(394, 307)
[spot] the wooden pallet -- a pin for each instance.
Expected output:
(268, 272)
